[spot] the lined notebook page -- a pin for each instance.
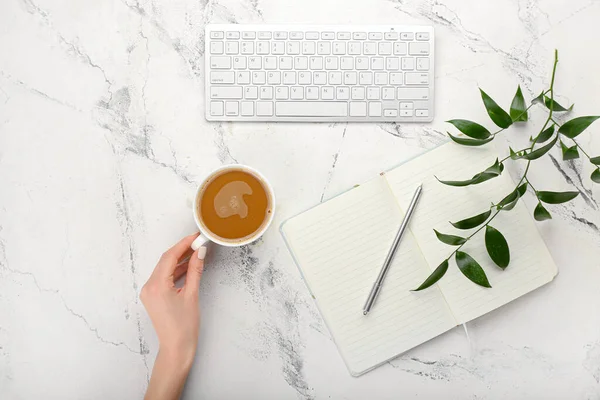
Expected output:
(340, 247)
(531, 265)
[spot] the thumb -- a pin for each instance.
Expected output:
(194, 272)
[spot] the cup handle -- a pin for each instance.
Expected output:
(199, 242)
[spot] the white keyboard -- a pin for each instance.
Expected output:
(319, 73)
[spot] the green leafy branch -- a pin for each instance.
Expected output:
(550, 133)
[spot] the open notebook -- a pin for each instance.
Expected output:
(340, 246)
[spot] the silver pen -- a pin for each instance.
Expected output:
(388, 260)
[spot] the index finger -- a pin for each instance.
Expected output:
(168, 261)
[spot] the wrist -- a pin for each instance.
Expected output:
(177, 360)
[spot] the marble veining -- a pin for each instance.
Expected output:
(103, 140)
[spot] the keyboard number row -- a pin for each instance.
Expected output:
(318, 63)
(321, 48)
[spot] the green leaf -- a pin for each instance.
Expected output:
(555, 106)
(496, 113)
(450, 239)
(488, 174)
(569, 153)
(471, 269)
(544, 135)
(577, 125)
(472, 222)
(556, 197)
(435, 276)
(497, 247)
(595, 160)
(509, 202)
(596, 175)
(470, 128)
(470, 142)
(518, 111)
(540, 213)
(537, 153)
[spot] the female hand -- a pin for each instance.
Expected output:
(175, 315)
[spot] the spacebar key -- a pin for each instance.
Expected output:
(311, 109)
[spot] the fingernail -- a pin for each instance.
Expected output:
(202, 252)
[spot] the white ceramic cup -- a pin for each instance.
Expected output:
(205, 234)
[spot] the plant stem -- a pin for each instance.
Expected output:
(574, 141)
(524, 177)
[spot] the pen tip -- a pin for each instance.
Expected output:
(365, 312)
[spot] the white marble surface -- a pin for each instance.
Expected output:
(102, 138)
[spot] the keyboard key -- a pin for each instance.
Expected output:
(361, 63)
(369, 48)
(374, 109)
(264, 35)
(346, 63)
(376, 63)
(225, 92)
(400, 48)
(418, 48)
(392, 63)
(264, 108)
(232, 47)
(297, 93)
(311, 109)
(280, 35)
(335, 78)
(300, 62)
(416, 78)
(274, 78)
(243, 77)
(222, 77)
(354, 48)
(304, 78)
(312, 93)
(324, 48)
(385, 48)
(388, 93)
(309, 47)
(216, 47)
(408, 63)
(422, 64)
(312, 35)
(270, 62)
(381, 78)
(262, 47)
(316, 62)
(277, 48)
(289, 77)
(375, 35)
(390, 112)
(296, 35)
(413, 93)
(395, 78)
(254, 62)
(342, 93)
(350, 78)
(422, 113)
(247, 47)
(327, 35)
(365, 78)
(422, 36)
(407, 36)
(259, 78)
(293, 48)
(286, 62)
(373, 93)
(331, 62)
(232, 35)
(266, 92)
(319, 78)
(391, 35)
(217, 35)
(251, 92)
(344, 35)
(358, 93)
(358, 108)
(216, 108)
(327, 93)
(282, 93)
(406, 113)
(231, 108)
(359, 36)
(220, 62)
(247, 108)
(248, 35)
(406, 106)
(339, 48)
